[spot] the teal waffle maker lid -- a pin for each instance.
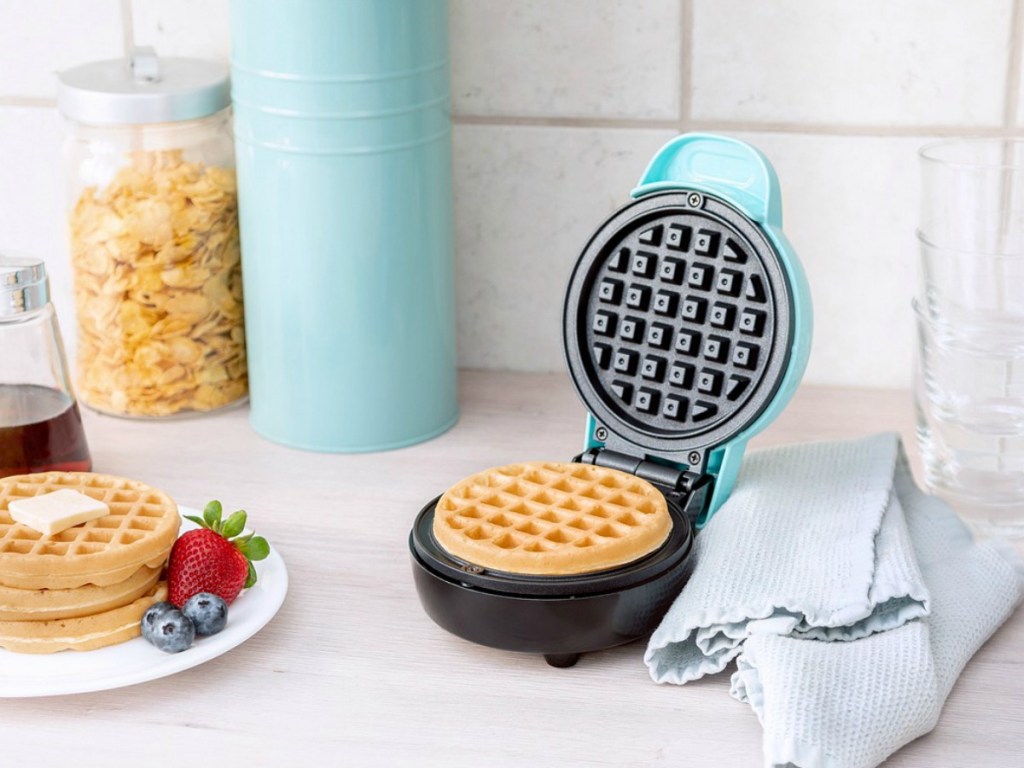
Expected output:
(687, 319)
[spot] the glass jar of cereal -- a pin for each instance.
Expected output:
(153, 221)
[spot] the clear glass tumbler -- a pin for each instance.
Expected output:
(969, 383)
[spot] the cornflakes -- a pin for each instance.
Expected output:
(158, 288)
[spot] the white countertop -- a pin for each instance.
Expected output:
(352, 672)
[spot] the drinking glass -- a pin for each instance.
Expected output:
(969, 374)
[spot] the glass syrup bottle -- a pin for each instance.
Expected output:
(40, 424)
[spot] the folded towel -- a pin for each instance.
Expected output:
(833, 542)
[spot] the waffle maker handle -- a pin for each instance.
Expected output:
(722, 166)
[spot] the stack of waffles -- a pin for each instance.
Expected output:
(87, 586)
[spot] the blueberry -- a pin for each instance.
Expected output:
(152, 616)
(168, 628)
(208, 612)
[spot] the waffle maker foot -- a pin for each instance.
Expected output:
(562, 660)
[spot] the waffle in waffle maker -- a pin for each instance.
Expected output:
(687, 328)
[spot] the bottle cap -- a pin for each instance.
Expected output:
(23, 285)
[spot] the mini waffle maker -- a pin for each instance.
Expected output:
(687, 329)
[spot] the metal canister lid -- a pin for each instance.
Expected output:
(143, 89)
(23, 285)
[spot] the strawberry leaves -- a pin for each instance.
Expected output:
(211, 515)
(234, 525)
(253, 548)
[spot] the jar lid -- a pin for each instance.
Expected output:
(23, 285)
(143, 89)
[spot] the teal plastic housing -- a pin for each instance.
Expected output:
(739, 173)
(343, 148)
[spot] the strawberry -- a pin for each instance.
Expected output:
(214, 557)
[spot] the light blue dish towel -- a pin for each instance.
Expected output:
(850, 601)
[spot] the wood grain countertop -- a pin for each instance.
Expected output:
(352, 672)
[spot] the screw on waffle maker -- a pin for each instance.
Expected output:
(687, 326)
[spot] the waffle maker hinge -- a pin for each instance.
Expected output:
(687, 489)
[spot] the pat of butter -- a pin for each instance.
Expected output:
(54, 512)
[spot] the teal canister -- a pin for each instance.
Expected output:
(343, 144)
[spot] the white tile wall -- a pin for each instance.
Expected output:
(580, 58)
(849, 205)
(871, 62)
(559, 104)
(183, 27)
(32, 197)
(526, 201)
(41, 37)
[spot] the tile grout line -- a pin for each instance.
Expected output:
(839, 129)
(1012, 100)
(826, 129)
(685, 65)
(532, 121)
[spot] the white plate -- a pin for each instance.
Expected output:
(136, 661)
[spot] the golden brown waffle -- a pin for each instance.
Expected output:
(86, 633)
(551, 518)
(139, 531)
(45, 604)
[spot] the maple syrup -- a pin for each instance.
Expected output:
(40, 431)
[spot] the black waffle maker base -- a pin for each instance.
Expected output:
(559, 617)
